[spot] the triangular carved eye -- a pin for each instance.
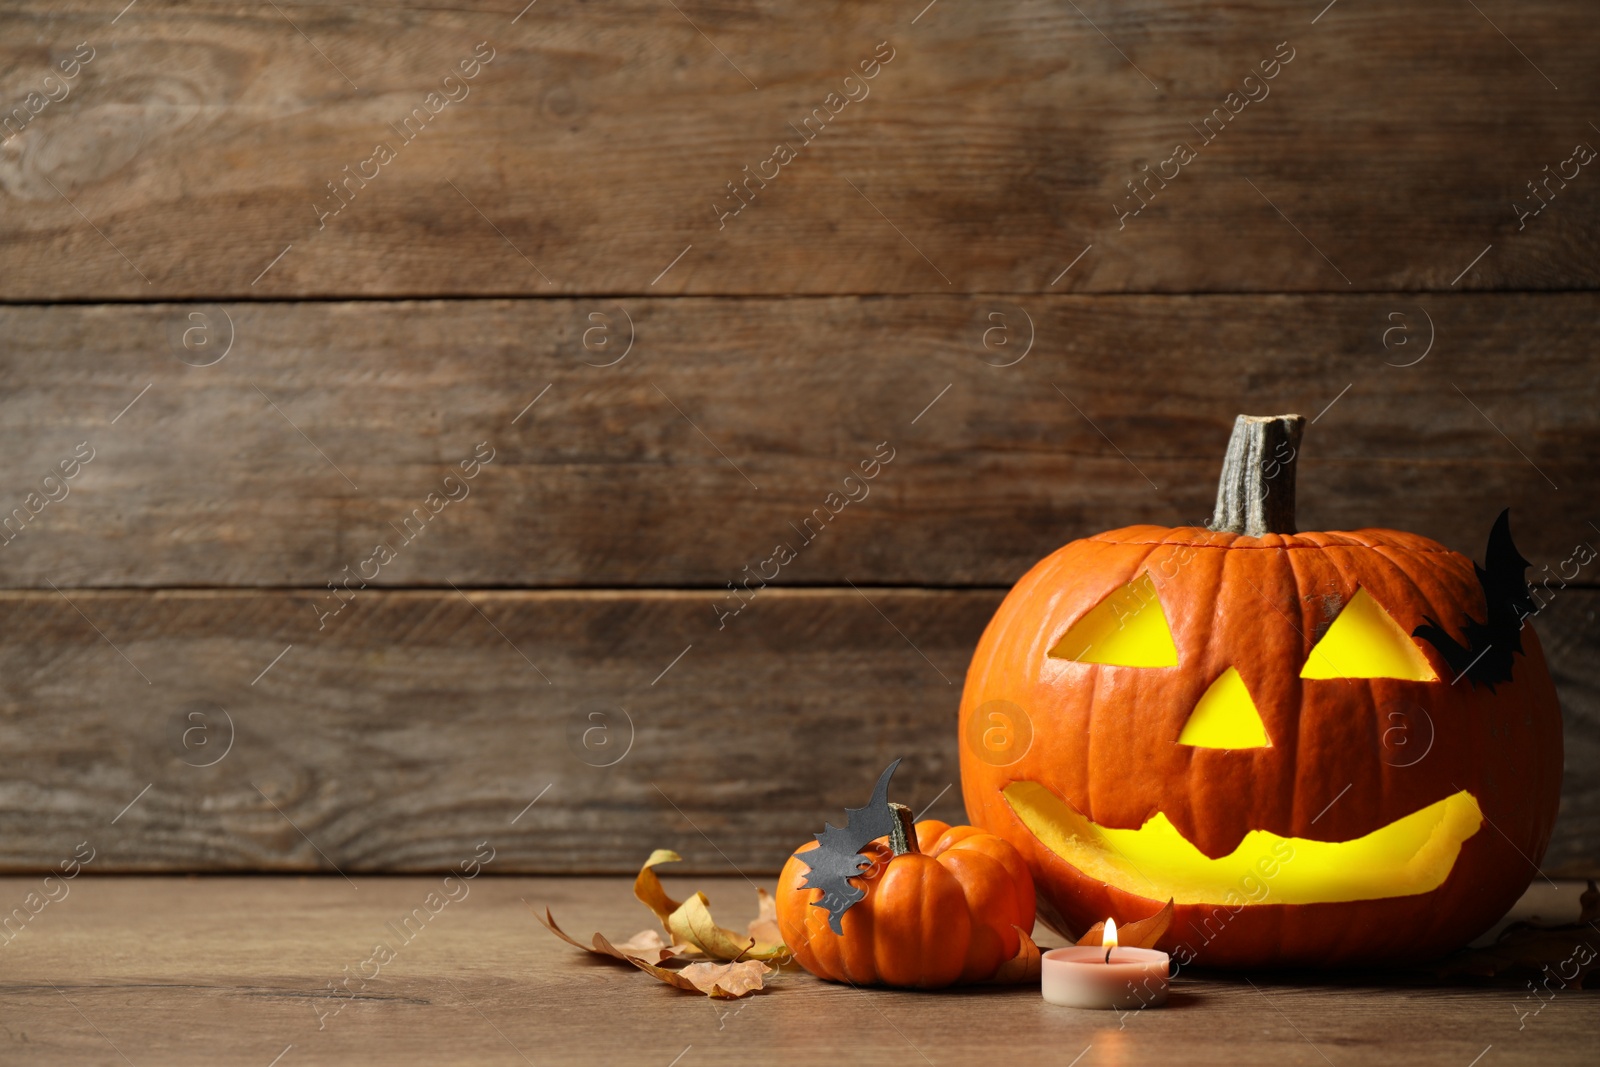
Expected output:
(1365, 642)
(1226, 717)
(1126, 629)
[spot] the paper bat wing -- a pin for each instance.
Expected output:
(837, 857)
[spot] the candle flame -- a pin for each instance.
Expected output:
(1108, 940)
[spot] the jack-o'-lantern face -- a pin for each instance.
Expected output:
(1411, 854)
(1245, 725)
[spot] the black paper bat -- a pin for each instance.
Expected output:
(1486, 657)
(837, 857)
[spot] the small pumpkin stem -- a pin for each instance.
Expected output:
(903, 835)
(1255, 495)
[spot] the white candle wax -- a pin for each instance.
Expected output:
(1080, 977)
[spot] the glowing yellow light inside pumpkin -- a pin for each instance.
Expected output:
(1365, 642)
(1126, 629)
(1226, 717)
(1109, 938)
(1413, 854)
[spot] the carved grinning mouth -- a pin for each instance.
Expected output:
(1413, 854)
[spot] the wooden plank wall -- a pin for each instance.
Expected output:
(649, 374)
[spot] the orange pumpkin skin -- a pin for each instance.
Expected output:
(946, 914)
(1104, 738)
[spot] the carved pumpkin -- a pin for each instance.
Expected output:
(1279, 731)
(943, 905)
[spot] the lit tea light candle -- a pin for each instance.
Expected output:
(1083, 976)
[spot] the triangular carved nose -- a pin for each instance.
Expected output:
(1225, 717)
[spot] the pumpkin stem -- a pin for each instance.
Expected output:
(903, 835)
(1255, 495)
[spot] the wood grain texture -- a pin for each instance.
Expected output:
(416, 721)
(598, 145)
(238, 970)
(1570, 632)
(729, 422)
(665, 411)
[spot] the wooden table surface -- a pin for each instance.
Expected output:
(223, 970)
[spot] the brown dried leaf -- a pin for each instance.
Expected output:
(1563, 953)
(548, 921)
(764, 927)
(641, 943)
(1141, 934)
(1025, 966)
(727, 979)
(646, 943)
(724, 981)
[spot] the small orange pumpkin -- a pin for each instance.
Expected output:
(943, 905)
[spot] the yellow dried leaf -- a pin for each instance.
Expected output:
(724, 981)
(1142, 934)
(692, 923)
(647, 886)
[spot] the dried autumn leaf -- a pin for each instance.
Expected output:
(647, 886)
(724, 981)
(727, 979)
(1562, 953)
(640, 943)
(1142, 934)
(1023, 967)
(692, 923)
(764, 927)
(646, 943)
